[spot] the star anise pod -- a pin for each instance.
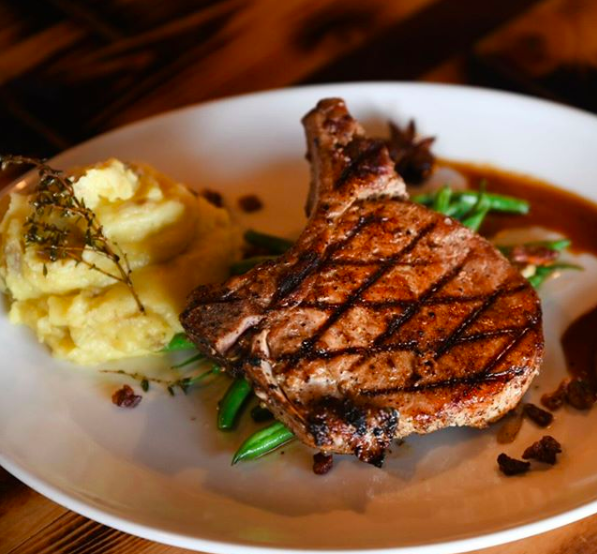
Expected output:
(412, 155)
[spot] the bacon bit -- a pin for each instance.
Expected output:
(250, 203)
(544, 450)
(125, 397)
(510, 466)
(537, 415)
(533, 254)
(213, 197)
(580, 395)
(322, 463)
(511, 426)
(555, 400)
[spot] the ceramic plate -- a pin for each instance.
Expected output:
(163, 472)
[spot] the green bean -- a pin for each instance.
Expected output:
(263, 442)
(475, 220)
(261, 414)
(243, 266)
(540, 276)
(275, 245)
(188, 361)
(556, 245)
(497, 202)
(441, 201)
(477, 215)
(178, 342)
(425, 199)
(187, 382)
(458, 210)
(542, 273)
(230, 406)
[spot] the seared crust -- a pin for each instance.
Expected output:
(384, 319)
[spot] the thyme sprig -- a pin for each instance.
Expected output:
(183, 383)
(61, 226)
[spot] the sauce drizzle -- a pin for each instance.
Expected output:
(556, 209)
(580, 348)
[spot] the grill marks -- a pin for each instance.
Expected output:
(381, 344)
(306, 265)
(381, 304)
(364, 160)
(514, 342)
(308, 350)
(339, 262)
(404, 346)
(485, 335)
(474, 316)
(475, 379)
(416, 306)
(484, 375)
(294, 278)
(307, 347)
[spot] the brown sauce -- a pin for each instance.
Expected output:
(551, 207)
(580, 347)
(560, 211)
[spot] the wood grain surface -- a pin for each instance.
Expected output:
(70, 69)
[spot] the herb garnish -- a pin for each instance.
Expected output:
(183, 383)
(61, 226)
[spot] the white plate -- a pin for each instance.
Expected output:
(161, 471)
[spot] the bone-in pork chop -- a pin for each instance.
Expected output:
(384, 319)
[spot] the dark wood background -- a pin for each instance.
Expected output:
(70, 69)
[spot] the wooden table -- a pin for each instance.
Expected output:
(70, 69)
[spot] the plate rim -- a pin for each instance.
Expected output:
(179, 539)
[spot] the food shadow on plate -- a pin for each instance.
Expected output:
(179, 432)
(350, 485)
(177, 437)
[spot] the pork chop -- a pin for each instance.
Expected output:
(385, 318)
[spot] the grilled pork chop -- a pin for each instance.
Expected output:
(384, 319)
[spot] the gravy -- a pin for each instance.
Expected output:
(553, 208)
(580, 347)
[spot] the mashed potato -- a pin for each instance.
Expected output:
(173, 239)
